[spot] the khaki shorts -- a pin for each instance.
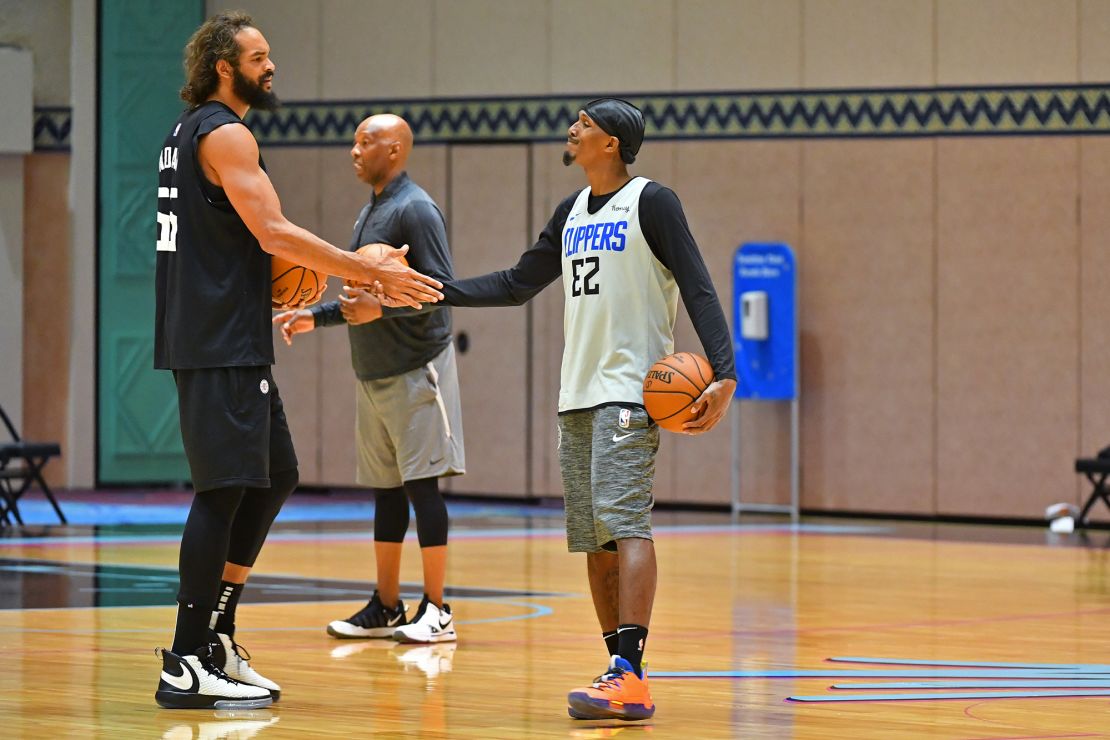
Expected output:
(409, 426)
(607, 456)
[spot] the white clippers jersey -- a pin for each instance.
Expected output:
(620, 303)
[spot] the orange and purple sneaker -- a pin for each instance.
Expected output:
(619, 693)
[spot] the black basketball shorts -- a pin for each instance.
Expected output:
(233, 426)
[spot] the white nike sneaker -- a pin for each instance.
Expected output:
(195, 682)
(231, 657)
(431, 624)
(373, 620)
(431, 659)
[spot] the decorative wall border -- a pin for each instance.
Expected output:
(53, 125)
(764, 114)
(1045, 110)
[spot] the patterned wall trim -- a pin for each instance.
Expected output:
(772, 114)
(1063, 109)
(52, 129)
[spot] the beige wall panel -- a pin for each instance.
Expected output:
(1094, 52)
(867, 43)
(81, 415)
(552, 183)
(491, 47)
(739, 44)
(657, 161)
(292, 28)
(340, 199)
(866, 275)
(602, 45)
(47, 303)
(376, 49)
(1094, 389)
(428, 168)
(12, 286)
(1006, 41)
(43, 26)
(735, 192)
(296, 177)
(1007, 324)
(336, 384)
(488, 221)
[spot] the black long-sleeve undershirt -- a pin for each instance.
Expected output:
(667, 233)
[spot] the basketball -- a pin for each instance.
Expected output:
(672, 384)
(291, 284)
(378, 249)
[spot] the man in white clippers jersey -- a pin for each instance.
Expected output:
(625, 252)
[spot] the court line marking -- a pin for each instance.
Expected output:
(1083, 680)
(1000, 673)
(951, 696)
(1032, 682)
(976, 663)
(538, 610)
(463, 534)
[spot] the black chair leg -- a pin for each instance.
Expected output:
(33, 475)
(13, 503)
(5, 502)
(1099, 494)
(50, 497)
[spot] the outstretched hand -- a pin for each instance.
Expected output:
(359, 306)
(403, 285)
(710, 407)
(298, 321)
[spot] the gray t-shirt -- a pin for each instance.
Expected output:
(404, 338)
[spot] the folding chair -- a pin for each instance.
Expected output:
(1097, 470)
(21, 465)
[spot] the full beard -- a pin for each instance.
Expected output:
(252, 93)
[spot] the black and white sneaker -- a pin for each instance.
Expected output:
(233, 659)
(432, 624)
(194, 682)
(372, 620)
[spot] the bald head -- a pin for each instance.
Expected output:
(381, 149)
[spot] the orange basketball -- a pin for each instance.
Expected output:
(672, 384)
(378, 249)
(291, 284)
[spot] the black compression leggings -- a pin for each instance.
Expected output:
(225, 524)
(391, 512)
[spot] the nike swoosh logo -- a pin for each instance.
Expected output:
(394, 621)
(444, 625)
(183, 682)
(619, 437)
(436, 461)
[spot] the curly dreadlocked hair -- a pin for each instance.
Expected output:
(213, 41)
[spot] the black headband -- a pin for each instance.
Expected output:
(621, 119)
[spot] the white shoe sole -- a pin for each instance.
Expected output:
(347, 631)
(400, 636)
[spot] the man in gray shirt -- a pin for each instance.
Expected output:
(409, 423)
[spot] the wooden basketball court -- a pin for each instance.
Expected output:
(743, 613)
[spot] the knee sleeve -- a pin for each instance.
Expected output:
(431, 511)
(255, 516)
(391, 514)
(204, 545)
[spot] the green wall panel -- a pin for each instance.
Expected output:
(141, 42)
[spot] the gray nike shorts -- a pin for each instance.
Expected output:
(607, 456)
(409, 426)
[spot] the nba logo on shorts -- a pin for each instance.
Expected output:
(625, 418)
(264, 386)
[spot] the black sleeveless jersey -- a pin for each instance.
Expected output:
(213, 280)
